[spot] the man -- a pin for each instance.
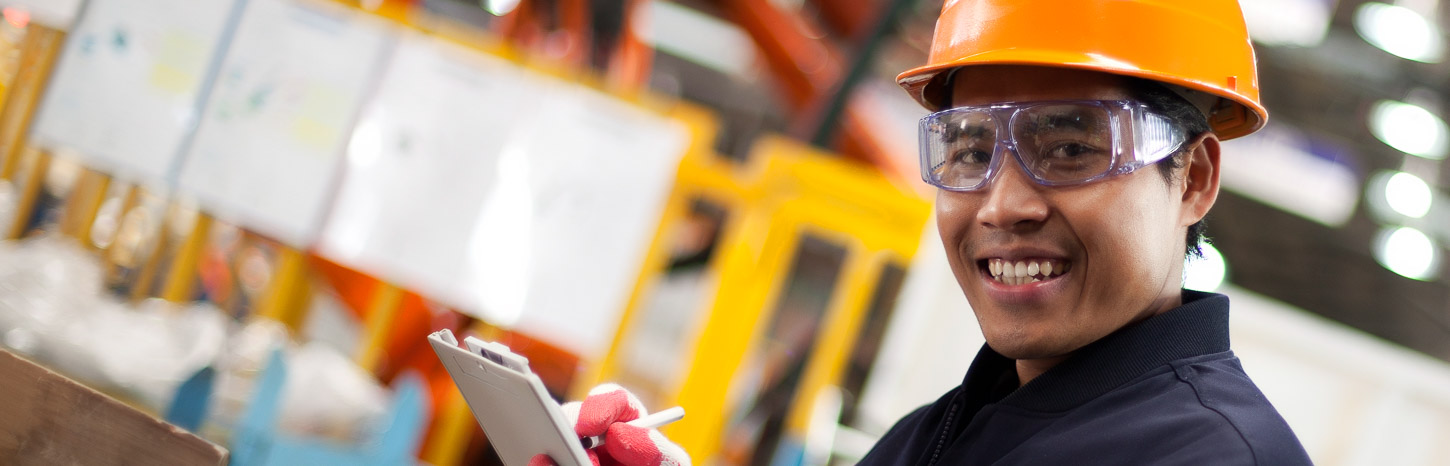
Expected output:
(1077, 151)
(1076, 148)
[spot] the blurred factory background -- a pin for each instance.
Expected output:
(713, 202)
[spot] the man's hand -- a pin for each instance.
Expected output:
(605, 412)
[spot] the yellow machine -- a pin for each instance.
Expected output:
(810, 252)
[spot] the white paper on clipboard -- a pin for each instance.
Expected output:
(266, 151)
(126, 87)
(421, 161)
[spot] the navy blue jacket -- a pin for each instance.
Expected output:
(1163, 391)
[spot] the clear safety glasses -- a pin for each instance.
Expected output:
(1057, 143)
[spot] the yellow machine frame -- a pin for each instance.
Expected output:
(788, 190)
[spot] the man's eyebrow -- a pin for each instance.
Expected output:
(969, 130)
(1068, 119)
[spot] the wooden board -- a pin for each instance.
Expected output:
(46, 418)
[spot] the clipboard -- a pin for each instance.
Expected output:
(509, 401)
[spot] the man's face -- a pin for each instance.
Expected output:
(1115, 246)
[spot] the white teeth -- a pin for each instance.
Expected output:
(1024, 272)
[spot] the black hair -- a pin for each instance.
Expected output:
(1194, 123)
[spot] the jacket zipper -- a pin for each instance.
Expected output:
(945, 432)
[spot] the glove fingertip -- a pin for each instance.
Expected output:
(606, 405)
(632, 445)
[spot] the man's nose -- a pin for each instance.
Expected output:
(1014, 201)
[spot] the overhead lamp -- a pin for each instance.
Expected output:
(1298, 23)
(1206, 273)
(1409, 128)
(499, 7)
(696, 36)
(1400, 31)
(1407, 252)
(1408, 195)
(1296, 172)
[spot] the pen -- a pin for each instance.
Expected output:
(652, 421)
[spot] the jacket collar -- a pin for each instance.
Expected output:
(1198, 327)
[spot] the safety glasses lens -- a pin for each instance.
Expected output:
(961, 148)
(1064, 143)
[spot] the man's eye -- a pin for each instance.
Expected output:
(1071, 159)
(972, 157)
(1071, 150)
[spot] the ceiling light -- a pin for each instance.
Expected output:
(1296, 172)
(1408, 194)
(1408, 252)
(699, 37)
(500, 7)
(1206, 273)
(1409, 128)
(1399, 31)
(1301, 23)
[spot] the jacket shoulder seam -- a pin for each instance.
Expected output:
(1226, 419)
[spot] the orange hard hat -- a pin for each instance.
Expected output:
(1199, 45)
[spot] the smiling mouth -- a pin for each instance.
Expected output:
(1024, 271)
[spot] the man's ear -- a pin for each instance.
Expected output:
(1199, 178)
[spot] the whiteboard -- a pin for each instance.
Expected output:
(519, 199)
(125, 90)
(560, 239)
(267, 149)
(420, 163)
